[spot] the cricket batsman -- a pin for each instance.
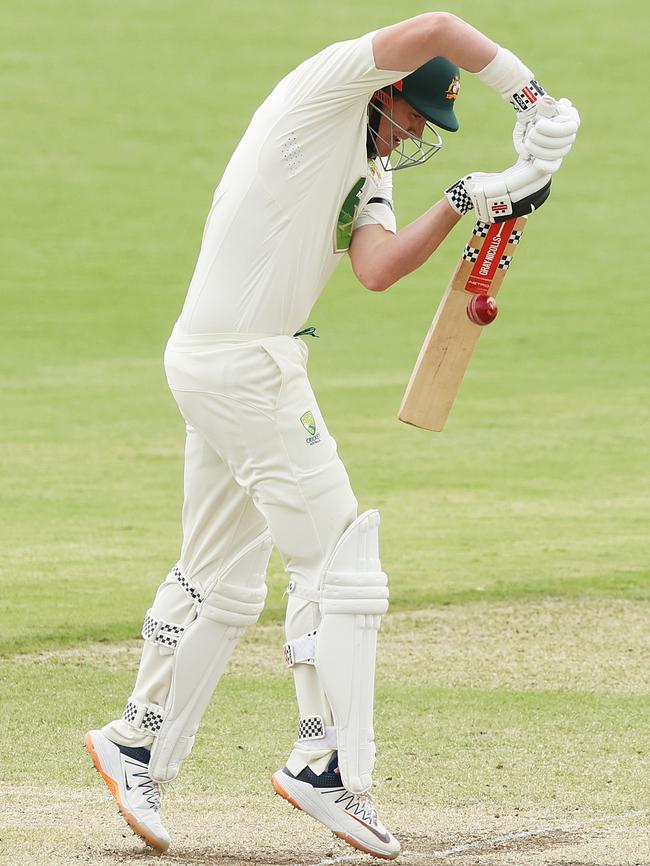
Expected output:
(310, 181)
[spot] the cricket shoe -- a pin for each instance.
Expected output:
(351, 817)
(126, 772)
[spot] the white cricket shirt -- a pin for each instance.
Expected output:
(294, 190)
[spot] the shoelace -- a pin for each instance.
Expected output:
(362, 806)
(151, 791)
(368, 805)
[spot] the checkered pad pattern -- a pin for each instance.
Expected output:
(515, 236)
(504, 264)
(311, 728)
(191, 590)
(160, 632)
(481, 229)
(458, 197)
(151, 721)
(470, 254)
(149, 627)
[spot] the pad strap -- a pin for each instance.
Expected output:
(300, 650)
(315, 735)
(311, 728)
(190, 590)
(147, 718)
(158, 631)
(305, 592)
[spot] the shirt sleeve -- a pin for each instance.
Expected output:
(379, 208)
(341, 72)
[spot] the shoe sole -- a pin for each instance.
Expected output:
(113, 787)
(350, 840)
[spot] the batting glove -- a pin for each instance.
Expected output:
(547, 139)
(515, 192)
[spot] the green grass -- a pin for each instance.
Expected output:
(524, 749)
(118, 119)
(116, 132)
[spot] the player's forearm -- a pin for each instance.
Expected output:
(461, 43)
(378, 266)
(413, 42)
(470, 49)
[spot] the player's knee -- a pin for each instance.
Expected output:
(201, 650)
(351, 582)
(237, 596)
(234, 597)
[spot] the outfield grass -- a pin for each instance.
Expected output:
(521, 740)
(118, 122)
(118, 119)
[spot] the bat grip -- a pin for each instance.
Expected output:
(547, 107)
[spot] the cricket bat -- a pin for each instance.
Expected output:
(448, 346)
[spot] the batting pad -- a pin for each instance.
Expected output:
(203, 651)
(354, 596)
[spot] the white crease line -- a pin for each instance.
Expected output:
(328, 861)
(524, 834)
(489, 843)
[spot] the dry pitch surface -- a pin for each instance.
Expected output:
(536, 645)
(68, 826)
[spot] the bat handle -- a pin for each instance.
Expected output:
(547, 107)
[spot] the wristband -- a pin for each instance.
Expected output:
(512, 79)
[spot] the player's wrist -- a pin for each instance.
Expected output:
(495, 197)
(458, 197)
(516, 83)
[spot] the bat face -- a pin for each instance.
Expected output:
(448, 346)
(488, 256)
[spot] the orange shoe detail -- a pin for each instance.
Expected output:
(280, 790)
(111, 784)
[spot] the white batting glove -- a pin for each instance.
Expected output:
(548, 139)
(522, 125)
(515, 192)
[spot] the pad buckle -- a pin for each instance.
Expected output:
(304, 592)
(160, 632)
(300, 650)
(147, 718)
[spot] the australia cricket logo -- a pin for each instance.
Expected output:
(454, 88)
(308, 422)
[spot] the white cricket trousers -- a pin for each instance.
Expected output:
(258, 459)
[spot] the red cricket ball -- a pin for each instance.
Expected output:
(482, 309)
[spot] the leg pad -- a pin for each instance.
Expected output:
(354, 596)
(232, 603)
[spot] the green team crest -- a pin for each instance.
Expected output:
(343, 234)
(309, 422)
